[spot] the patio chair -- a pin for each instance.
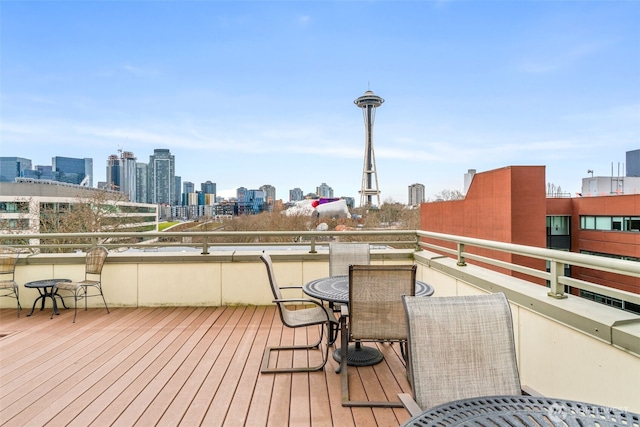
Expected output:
(459, 347)
(342, 255)
(95, 259)
(317, 314)
(8, 285)
(374, 313)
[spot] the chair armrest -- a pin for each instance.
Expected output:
(304, 301)
(298, 300)
(290, 287)
(409, 404)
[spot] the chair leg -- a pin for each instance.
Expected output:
(103, 300)
(267, 354)
(332, 332)
(17, 292)
(344, 376)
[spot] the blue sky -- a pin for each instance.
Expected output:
(247, 93)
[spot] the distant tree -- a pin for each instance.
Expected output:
(100, 212)
(554, 190)
(449, 195)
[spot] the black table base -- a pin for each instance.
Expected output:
(45, 289)
(359, 355)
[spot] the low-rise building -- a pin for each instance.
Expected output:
(24, 202)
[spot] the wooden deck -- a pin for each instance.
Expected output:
(176, 366)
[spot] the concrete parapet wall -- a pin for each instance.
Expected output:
(570, 348)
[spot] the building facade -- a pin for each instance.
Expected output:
(129, 175)
(13, 167)
(633, 163)
(23, 204)
(73, 171)
(142, 183)
(162, 174)
(510, 205)
(210, 191)
(114, 173)
(295, 195)
(324, 191)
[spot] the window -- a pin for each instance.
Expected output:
(609, 223)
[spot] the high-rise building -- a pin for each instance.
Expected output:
(269, 193)
(188, 187)
(129, 175)
(209, 192)
(369, 102)
(142, 183)
(323, 190)
(13, 167)
(208, 187)
(416, 194)
(269, 196)
(162, 177)
(295, 195)
(114, 173)
(73, 171)
(178, 193)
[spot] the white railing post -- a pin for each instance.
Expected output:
(557, 289)
(461, 261)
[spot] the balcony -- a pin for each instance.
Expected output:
(185, 337)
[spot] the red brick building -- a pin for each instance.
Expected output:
(510, 205)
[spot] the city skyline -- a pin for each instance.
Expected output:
(248, 94)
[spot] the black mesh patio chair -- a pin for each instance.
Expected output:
(316, 315)
(95, 259)
(8, 285)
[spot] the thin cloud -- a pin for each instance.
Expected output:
(559, 60)
(139, 71)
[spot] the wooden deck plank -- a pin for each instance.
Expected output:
(109, 377)
(69, 371)
(111, 350)
(238, 411)
(134, 399)
(263, 392)
(225, 350)
(171, 366)
(219, 407)
(197, 369)
(281, 397)
(36, 360)
(179, 374)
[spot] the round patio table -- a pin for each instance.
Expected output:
(522, 411)
(45, 288)
(335, 289)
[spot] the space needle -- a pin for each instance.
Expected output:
(369, 102)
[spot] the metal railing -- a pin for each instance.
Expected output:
(556, 259)
(411, 239)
